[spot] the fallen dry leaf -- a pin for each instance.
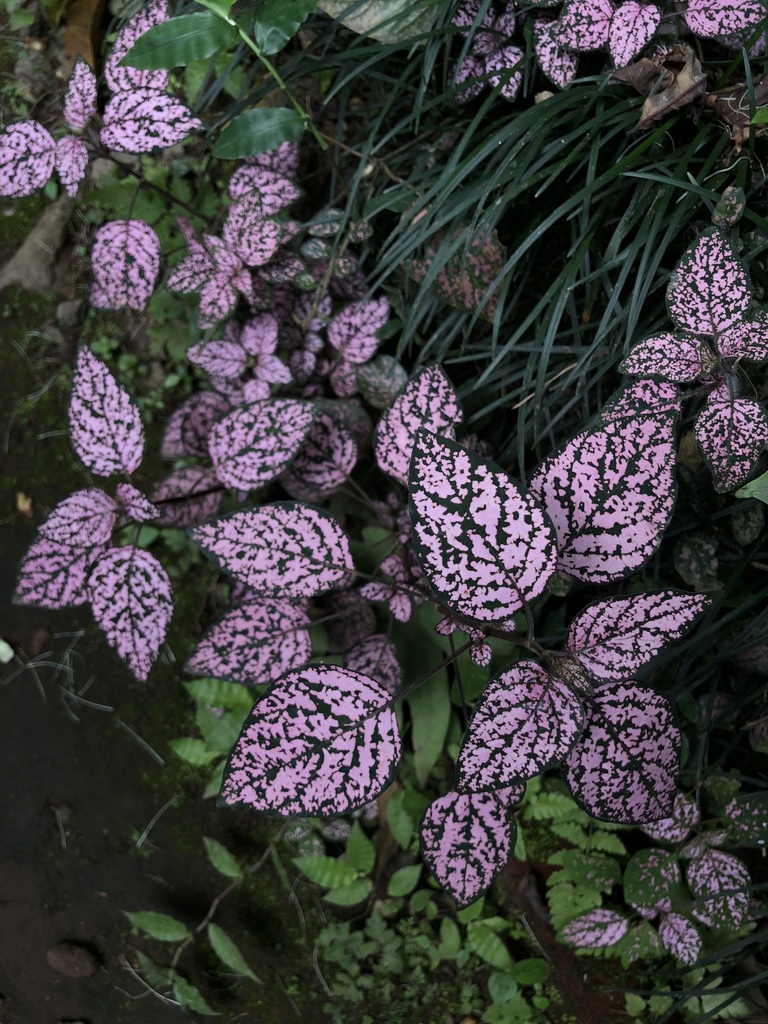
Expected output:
(672, 81)
(732, 106)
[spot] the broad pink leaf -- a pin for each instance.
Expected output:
(187, 430)
(675, 357)
(142, 120)
(353, 331)
(27, 155)
(720, 885)
(284, 550)
(218, 299)
(649, 877)
(125, 259)
(675, 828)
(614, 637)
(595, 930)
(723, 17)
(631, 29)
(321, 740)
(125, 78)
(80, 98)
(747, 820)
(130, 595)
(467, 840)
(584, 24)
(283, 159)
(746, 339)
(523, 723)
(375, 656)
(83, 520)
(260, 334)
(219, 358)
(680, 937)
(255, 443)
(485, 547)
(625, 764)
(54, 575)
(731, 433)
(104, 424)
(428, 401)
(135, 505)
(254, 643)
(503, 68)
(249, 234)
(267, 189)
(610, 494)
(325, 459)
(709, 288)
(71, 162)
(640, 399)
(557, 63)
(187, 497)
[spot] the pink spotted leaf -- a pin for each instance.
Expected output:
(375, 656)
(746, 339)
(428, 401)
(523, 723)
(641, 399)
(219, 358)
(709, 288)
(254, 444)
(143, 120)
(71, 163)
(53, 574)
(27, 156)
(596, 929)
(649, 878)
(350, 620)
(746, 820)
(640, 943)
(353, 331)
(557, 63)
(135, 505)
(710, 18)
(284, 550)
(104, 423)
(631, 29)
(503, 70)
(283, 159)
(187, 497)
(121, 79)
(380, 381)
(616, 636)
(187, 430)
(325, 459)
(196, 268)
(732, 434)
(467, 840)
(80, 97)
(254, 643)
(83, 520)
(130, 595)
(322, 740)
(681, 358)
(624, 766)
(268, 190)
(125, 259)
(249, 234)
(680, 937)
(484, 545)
(676, 827)
(720, 886)
(584, 24)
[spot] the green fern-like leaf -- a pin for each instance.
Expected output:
(572, 833)
(607, 842)
(554, 806)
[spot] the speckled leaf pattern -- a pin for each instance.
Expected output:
(709, 288)
(484, 545)
(219, 358)
(380, 381)
(267, 189)
(723, 17)
(352, 619)
(135, 505)
(584, 24)
(104, 424)
(375, 656)
(610, 494)
(125, 258)
(125, 78)
(648, 878)
(249, 234)
(130, 595)
(429, 401)
(640, 399)
(324, 461)
(640, 943)
(255, 443)
(681, 358)
(680, 938)
(83, 520)
(187, 430)
(595, 930)
(353, 331)
(284, 550)
(677, 827)
(254, 643)
(523, 723)
(557, 63)
(747, 339)
(320, 741)
(467, 840)
(27, 154)
(747, 820)
(175, 497)
(617, 635)
(80, 97)
(283, 159)
(71, 161)
(625, 764)
(54, 575)
(143, 120)
(732, 434)
(719, 883)
(631, 29)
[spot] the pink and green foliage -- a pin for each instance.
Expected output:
(189, 426)
(641, 942)
(747, 820)
(649, 878)
(122, 78)
(677, 827)
(325, 459)
(557, 63)
(466, 278)
(267, 189)
(584, 24)
(723, 17)
(631, 29)
(27, 156)
(84, 519)
(596, 929)
(125, 259)
(142, 120)
(71, 161)
(54, 575)
(491, 57)
(732, 434)
(719, 883)
(321, 740)
(375, 656)
(187, 497)
(352, 332)
(80, 98)
(135, 506)
(680, 937)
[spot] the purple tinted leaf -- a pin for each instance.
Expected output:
(747, 820)
(196, 268)
(283, 159)
(675, 828)
(344, 379)
(285, 550)
(189, 426)
(709, 288)
(632, 27)
(260, 335)
(584, 24)
(464, 281)
(680, 937)
(640, 399)
(255, 443)
(624, 766)
(723, 17)
(218, 299)
(219, 358)
(610, 494)
(54, 575)
(523, 723)
(380, 381)
(595, 930)
(351, 620)
(428, 401)
(485, 547)
(71, 161)
(267, 189)
(499, 65)
(747, 339)
(675, 357)
(104, 424)
(320, 741)
(640, 943)
(376, 657)
(249, 234)
(617, 635)
(130, 595)
(27, 155)
(467, 840)
(124, 79)
(136, 506)
(176, 497)
(557, 63)
(125, 259)
(142, 120)
(83, 520)
(324, 461)
(725, 880)
(80, 98)
(731, 433)
(254, 643)
(353, 331)
(648, 878)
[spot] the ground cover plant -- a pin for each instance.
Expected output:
(402, 606)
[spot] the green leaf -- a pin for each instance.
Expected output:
(592, 870)
(220, 8)
(360, 852)
(430, 707)
(179, 41)
(193, 750)
(349, 895)
(757, 488)
(419, 900)
(450, 939)
(326, 871)
(401, 824)
(190, 999)
(257, 131)
(155, 975)
(221, 858)
(213, 786)
(501, 987)
(530, 972)
(761, 117)
(488, 945)
(472, 912)
(279, 20)
(219, 694)
(158, 926)
(228, 953)
(404, 880)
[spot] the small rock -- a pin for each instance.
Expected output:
(68, 313)
(73, 960)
